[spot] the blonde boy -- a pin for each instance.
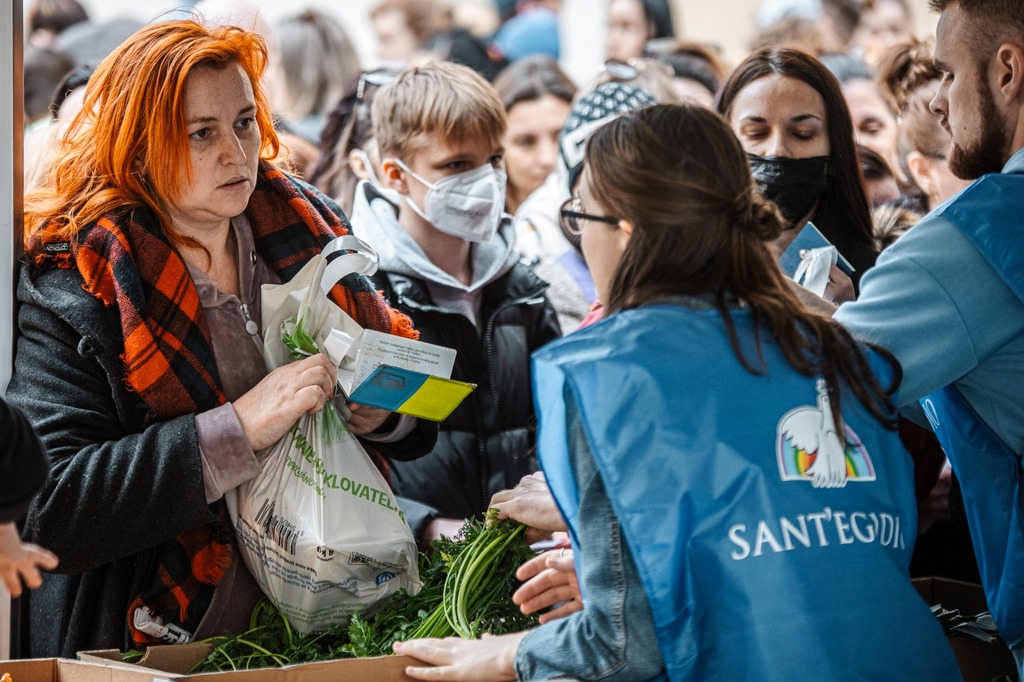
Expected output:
(447, 260)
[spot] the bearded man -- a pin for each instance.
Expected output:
(948, 298)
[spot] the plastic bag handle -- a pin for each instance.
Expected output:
(357, 257)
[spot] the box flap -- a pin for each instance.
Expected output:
(41, 669)
(176, 659)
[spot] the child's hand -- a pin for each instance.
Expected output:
(21, 561)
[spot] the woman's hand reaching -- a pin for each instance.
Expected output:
(272, 406)
(549, 579)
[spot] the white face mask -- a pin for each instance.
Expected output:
(467, 205)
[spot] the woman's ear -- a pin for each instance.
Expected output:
(393, 176)
(920, 167)
(357, 163)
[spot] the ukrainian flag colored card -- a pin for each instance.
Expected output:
(412, 393)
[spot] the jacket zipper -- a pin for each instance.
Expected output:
(535, 296)
(251, 328)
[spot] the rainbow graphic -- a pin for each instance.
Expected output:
(794, 462)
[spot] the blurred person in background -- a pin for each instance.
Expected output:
(412, 32)
(41, 141)
(537, 96)
(402, 27)
(910, 79)
(633, 23)
(47, 19)
(874, 124)
(44, 70)
(880, 183)
(312, 66)
(883, 24)
(795, 24)
(541, 237)
(533, 30)
(790, 116)
(348, 149)
(693, 80)
(697, 72)
(648, 73)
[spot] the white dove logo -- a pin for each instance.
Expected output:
(812, 446)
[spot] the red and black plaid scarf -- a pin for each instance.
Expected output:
(127, 261)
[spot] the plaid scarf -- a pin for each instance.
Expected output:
(168, 355)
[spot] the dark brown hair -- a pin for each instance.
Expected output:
(55, 15)
(530, 78)
(708, 233)
(349, 126)
(843, 214)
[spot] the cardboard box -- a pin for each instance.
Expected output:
(66, 670)
(979, 661)
(173, 662)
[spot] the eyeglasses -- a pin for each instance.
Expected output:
(572, 219)
(376, 78)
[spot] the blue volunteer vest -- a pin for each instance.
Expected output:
(750, 570)
(989, 213)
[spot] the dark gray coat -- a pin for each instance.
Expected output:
(131, 488)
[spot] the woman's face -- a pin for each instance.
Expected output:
(396, 42)
(778, 115)
(627, 30)
(531, 143)
(224, 146)
(602, 244)
(874, 125)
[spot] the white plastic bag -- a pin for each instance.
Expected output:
(320, 529)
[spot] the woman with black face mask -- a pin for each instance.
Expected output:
(789, 114)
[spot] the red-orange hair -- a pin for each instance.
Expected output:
(128, 146)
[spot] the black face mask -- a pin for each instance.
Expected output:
(795, 185)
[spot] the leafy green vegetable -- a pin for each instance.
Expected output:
(467, 590)
(299, 342)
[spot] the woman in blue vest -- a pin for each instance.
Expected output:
(725, 460)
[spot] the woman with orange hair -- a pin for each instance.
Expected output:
(139, 360)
